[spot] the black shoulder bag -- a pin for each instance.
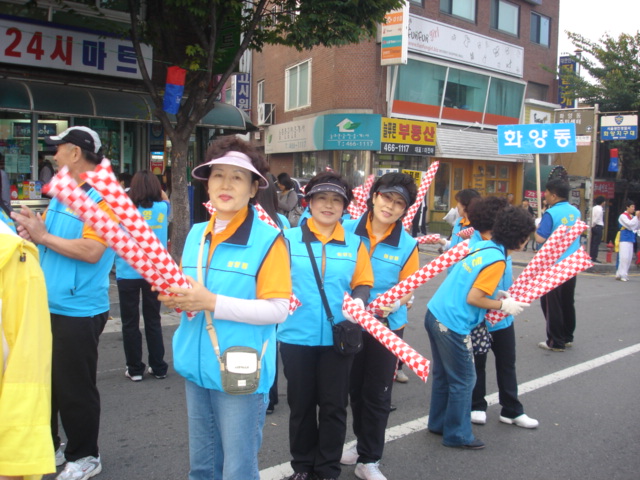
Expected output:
(347, 336)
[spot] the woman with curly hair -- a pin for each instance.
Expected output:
(482, 215)
(456, 308)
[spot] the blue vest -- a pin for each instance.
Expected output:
(74, 288)
(233, 272)
(387, 260)
(157, 217)
(626, 235)
(309, 324)
(7, 219)
(449, 304)
(563, 213)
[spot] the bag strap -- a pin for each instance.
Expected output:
(213, 336)
(305, 236)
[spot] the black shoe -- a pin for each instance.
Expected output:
(596, 261)
(301, 476)
(475, 445)
(392, 408)
(434, 432)
(270, 408)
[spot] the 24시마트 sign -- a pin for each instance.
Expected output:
(538, 138)
(49, 46)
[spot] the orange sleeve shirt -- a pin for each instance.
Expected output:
(489, 277)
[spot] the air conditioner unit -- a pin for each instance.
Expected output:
(266, 114)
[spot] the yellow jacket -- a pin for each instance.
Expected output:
(25, 362)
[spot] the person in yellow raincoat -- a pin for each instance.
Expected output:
(25, 362)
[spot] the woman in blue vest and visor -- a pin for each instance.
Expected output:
(317, 375)
(242, 288)
(457, 307)
(394, 256)
(146, 194)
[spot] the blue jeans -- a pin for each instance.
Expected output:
(225, 433)
(454, 377)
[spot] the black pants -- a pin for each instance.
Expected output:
(74, 393)
(559, 311)
(596, 238)
(503, 345)
(129, 292)
(370, 392)
(317, 391)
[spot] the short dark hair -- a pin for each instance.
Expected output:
(145, 189)
(219, 147)
(391, 180)
(285, 180)
(330, 177)
(628, 203)
(599, 200)
(512, 227)
(482, 212)
(464, 197)
(125, 178)
(559, 187)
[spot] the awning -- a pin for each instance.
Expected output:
(468, 145)
(17, 95)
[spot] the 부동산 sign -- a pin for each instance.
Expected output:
(539, 138)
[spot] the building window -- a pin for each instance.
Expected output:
(260, 94)
(505, 98)
(416, 2)
(460, 8)
(498, 179)
(298, 86)
(540, 27)
(537, 91)
(465, 90)
(504, 16)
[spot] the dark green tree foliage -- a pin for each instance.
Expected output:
(612, 80)
(196, 34)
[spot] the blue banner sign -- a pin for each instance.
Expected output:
(537, 138)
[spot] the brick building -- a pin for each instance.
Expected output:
(472, 65)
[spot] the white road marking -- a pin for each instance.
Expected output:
(284, 470)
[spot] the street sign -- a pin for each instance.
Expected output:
(619, 127)
(407, 137)
(539, 138)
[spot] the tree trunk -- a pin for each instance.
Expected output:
(179, 196)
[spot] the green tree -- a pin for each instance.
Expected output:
(613, 82)
(192, 33)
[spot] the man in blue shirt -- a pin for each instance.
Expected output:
(558, 305)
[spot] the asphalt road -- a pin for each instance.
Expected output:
(586, 400)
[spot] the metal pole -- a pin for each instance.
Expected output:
(538, 197)
(592, 187)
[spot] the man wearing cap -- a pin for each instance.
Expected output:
(76, 264)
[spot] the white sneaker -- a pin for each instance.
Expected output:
(133, 378)
(369, 471)
(350, 455)
(60, 459)
(523, 421)
(478, 417)
(81, 469)
(401, 377)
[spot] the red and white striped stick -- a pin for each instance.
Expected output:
(428, 239)
(63, 187)
(294, 303)
(105, 182)
(545, 281)
(422, 191)
(265, 217)
(546, 257)
(210, 208)
(354, 210)
(422, 276)
(416, 362)
(466, 232)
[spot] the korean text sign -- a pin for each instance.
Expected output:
(538, 138)
(41, 45)
(407, 137)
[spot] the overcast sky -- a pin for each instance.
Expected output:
(593, 18)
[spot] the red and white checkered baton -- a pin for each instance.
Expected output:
(428, 239)
(265, 217)
(466, 232)
(353, 210)
(105, 182)
(294, 303)
(551, 250)
(545, 281)
(422, 276)
(63, 187)
(388, 339)
(422, 191)
(210, 208)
